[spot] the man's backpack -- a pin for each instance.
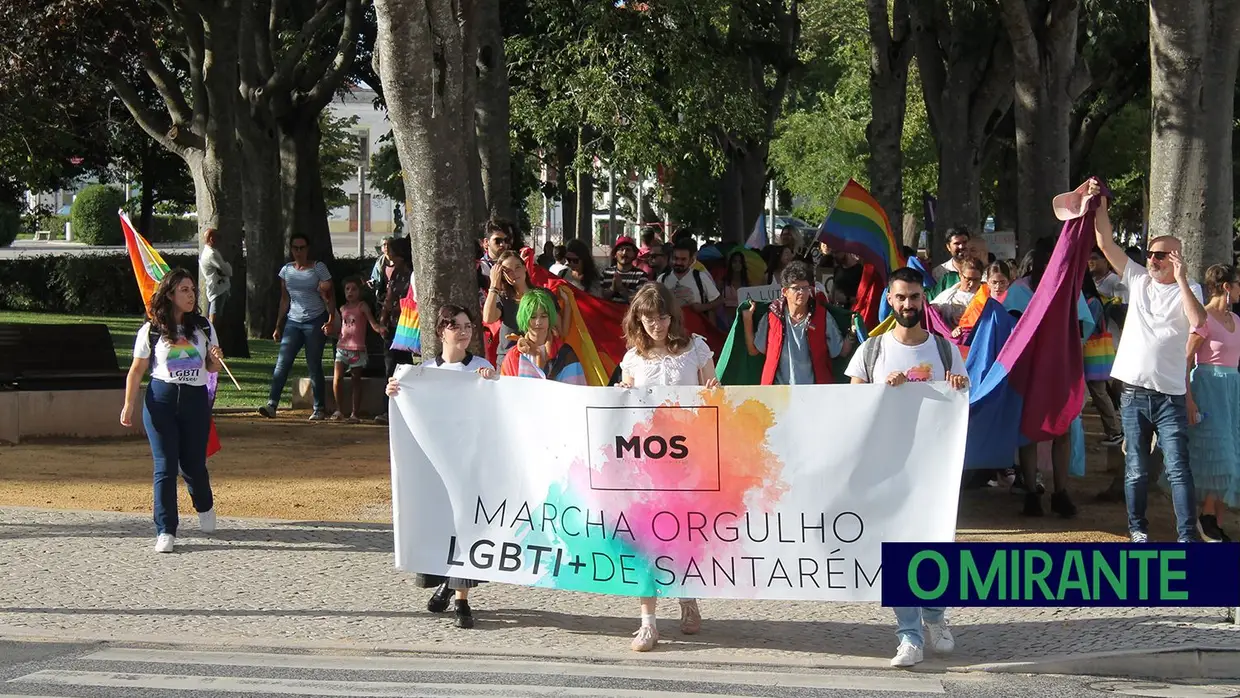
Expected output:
(697, 278)
(874, 347)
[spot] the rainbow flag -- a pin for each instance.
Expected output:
(857, 224)
(148, 266)
(408, 333)
(148, 269)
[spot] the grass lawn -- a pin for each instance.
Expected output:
(254, 373)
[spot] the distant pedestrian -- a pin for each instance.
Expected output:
(216, 274)
(307, 316)
(351, 355)
(181, 349)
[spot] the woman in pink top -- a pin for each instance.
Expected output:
(351, 346)
(1214, 403)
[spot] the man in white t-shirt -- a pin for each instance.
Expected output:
(695, 289)
(908, 353)
(1163, 308)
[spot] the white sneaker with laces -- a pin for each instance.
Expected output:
(206, 521)
(1138, 537)
(165, 542)
(645, 639)
(907, 655)
(940, 637)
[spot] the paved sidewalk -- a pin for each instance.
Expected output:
(93, 575)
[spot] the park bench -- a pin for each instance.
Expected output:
(59, 380)
(43, 235)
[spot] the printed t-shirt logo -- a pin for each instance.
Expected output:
(921, 373)
(183, 358)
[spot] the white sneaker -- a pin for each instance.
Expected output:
(165, 542)
(940, 637)
(206, 521)
(907, 655)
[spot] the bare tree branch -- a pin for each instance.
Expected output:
(931, 58)
(282, 78)
(342, 63)
(1015, 15)
(155, 125)
(880, 37)
(994, 92)
(165, 82)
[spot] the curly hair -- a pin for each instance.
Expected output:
(162, 310)
(654, 300)
(534, 300)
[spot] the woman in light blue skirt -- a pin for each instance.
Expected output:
(1214, 404)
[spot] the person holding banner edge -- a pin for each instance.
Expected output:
(455, 329)
(661, 352)
(908, 353)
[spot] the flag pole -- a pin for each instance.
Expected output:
(230, 374)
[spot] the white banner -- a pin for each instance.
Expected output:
(743, 492)
(765, 294)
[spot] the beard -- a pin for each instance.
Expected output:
(910, 319)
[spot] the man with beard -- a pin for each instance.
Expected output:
(693, 288)
(948, 273)
(908, 353)
(498, 240)
(622, 279)
(797, 335)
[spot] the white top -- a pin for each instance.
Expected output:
(681, 369)
(686, 289)
(952, 302)
(920, 363)
(216, 273)
(1151, 350)
(948, 267)
(558, 269)
(181, 363)
(475, 363)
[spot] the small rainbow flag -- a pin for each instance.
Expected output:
(857, 224)
(148, 266)
(408, 335)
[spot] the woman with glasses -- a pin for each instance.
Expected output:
(455, 329)
(951, 303)
(583, 273)
(307, 317)
(661, 352)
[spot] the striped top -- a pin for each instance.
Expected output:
(305, 303)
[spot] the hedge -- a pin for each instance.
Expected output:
(94, 212)
(164, 229)
(10, 224)
(103, 284)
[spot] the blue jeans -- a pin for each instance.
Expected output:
(177, 420)
(216, 305)
(909, 620)
(1144, 412)
(297, 335)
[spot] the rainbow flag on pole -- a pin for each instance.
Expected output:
(148, 269)
(857, 224)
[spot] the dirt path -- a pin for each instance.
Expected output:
(293, 469)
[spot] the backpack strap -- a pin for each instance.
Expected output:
(945, 353)
(697, 277)
(872, 348)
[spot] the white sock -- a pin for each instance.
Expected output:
(648, 620)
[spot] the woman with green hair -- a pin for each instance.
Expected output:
(539, 352)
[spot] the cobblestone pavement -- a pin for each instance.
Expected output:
(93, 575)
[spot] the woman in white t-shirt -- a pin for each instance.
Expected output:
(661, 352)
(455, 329)
(180, 347)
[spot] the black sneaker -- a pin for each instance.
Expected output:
(439, 600)
(267, 411)
(464, 616)
(1208, 529)
(1033, 504)
(1062, 505)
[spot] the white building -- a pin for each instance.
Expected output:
(376, 209)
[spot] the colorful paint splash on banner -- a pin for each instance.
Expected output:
(660, 530)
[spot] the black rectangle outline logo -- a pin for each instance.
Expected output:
(590, 464)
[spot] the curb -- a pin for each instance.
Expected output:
(1185, 662)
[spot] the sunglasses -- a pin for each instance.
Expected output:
(573, 260)
(1160, 256)
(499, 241)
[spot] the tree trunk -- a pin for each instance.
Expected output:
(960, 177)
(426, 54)
(1193, 59)
(1043, 36)
(1007, 192)
(492, 114)
(891, 49)
(301, 183)
(585, 205)
(264, 241)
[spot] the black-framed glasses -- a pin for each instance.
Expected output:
(299, 248)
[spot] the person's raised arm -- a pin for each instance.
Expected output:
(490, 309)
(1192, 307)
(1104, 232)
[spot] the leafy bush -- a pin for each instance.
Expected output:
(94, 212)
(55, 224)
(104, 284)
(173, 229)
(10, 224)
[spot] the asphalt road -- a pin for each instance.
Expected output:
(114, 671)
(343, 244)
